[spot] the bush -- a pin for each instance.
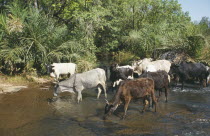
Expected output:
(124, 58)
(196, 45)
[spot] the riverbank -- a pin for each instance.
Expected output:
(9, 84)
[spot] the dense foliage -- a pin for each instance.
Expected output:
(88, 32)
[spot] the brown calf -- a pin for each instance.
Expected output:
(131, 89)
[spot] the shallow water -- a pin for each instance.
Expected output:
(30, 112)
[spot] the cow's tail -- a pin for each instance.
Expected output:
(169, 79)
(105, 76)
(103, 83)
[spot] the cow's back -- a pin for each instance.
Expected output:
(137, 88)
(126, 71)
(64, 68)
(91, 78)
(157, 65)
(192, 69)
(160, 78)
(162, 65)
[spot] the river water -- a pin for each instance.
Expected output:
(31, 112)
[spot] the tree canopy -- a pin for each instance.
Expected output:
(88, 32)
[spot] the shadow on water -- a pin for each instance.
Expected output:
(33, 112)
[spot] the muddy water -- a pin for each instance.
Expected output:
(30, 112)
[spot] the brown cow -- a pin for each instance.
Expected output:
(132, 89)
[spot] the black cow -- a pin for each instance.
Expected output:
(161, 81)
(117, 73)
(190, 71)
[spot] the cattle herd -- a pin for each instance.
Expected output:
(140, 80)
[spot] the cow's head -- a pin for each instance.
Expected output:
(113, 67)
(109, 109)
(137, 67)
(174, 72)
(62, 88)
(49, 68)
(136, 63)
(174, 69)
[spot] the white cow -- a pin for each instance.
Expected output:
(151, 68)
(81, 81)
(145, 64)
(57, 69)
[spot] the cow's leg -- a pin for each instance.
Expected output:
(112, 88)
(127, 101)
(146, 100)
(154, 100)
(79, 97)
(160, 92)
(104, 88)
(148, 97)
(99, 91)
(203, 82)
(69, 74)
(182, 84)
(176, 78)
(57, 77)
(166, 94)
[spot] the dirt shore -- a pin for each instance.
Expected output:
(8, 88)
(9, 84)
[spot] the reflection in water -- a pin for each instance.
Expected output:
(30, 113)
